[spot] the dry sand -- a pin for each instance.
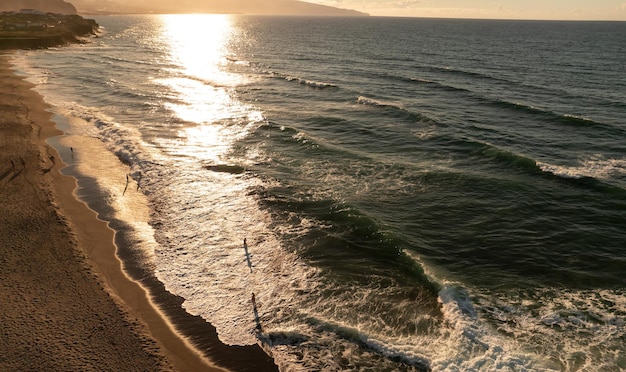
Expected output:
(65, 303)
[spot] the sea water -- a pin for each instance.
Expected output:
(413, 193)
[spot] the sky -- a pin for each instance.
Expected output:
(488, 9)
(501, 9)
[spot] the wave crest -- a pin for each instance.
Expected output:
(374, 102)
(592, 167)
(311, 83)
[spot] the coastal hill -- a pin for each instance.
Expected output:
(257, 7)
(32, 29)
(45, 6)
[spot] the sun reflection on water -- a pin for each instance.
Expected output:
(200, 87)
(199, 44)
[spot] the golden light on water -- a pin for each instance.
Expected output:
(198, 102)
(199, 44)
(200, 85)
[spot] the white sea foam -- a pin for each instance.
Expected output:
(576, 329)
(202, 218)
(595, 166)
(568, 329)
(469, 341)
(376, 102)
(310, 83)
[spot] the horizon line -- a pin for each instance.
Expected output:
(365, 15)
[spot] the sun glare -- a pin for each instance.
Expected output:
(199, 43)
(200, 85)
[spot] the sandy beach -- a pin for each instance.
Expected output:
(66, 303)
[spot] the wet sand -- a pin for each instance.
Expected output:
(66, 303)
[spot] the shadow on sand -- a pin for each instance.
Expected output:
(259, 328)
(248, 255)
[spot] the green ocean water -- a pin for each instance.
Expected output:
(415, 194)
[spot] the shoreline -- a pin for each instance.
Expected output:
(140, 336)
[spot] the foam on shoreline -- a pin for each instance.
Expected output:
(139, 335)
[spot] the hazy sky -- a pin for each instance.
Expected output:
(503, 9)
(508, 9)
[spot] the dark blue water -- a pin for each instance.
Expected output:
(480, 145)
(445, 194)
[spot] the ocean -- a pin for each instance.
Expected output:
(413, 194)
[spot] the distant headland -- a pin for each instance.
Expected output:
(34, 29)
(251, 7)
(44, 6)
